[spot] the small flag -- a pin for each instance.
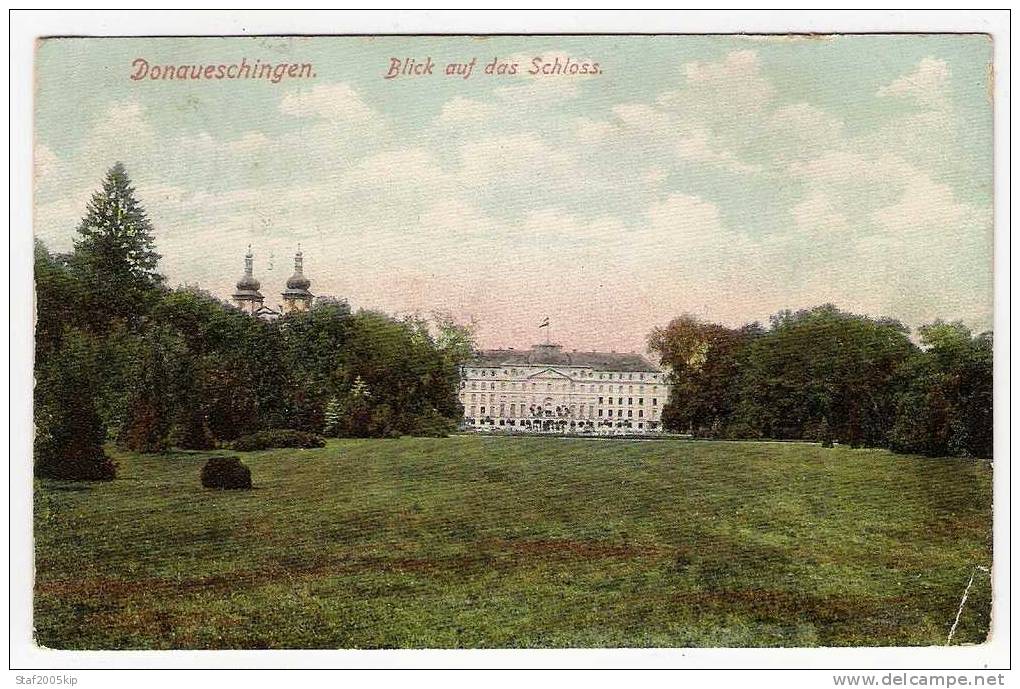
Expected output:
(545, 323)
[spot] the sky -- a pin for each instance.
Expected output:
(727, 177)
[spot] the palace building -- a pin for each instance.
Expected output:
(296, 296)
(547, 389)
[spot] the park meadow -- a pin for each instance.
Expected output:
(493, 541)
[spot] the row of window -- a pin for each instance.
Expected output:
(630, 413)
(560, 423)
(602, 400)
(563, 387)
(538, 411)
(630, 401)
(513, 372)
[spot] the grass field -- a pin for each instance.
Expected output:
(518, 542)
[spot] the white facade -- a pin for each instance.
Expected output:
(546, 389)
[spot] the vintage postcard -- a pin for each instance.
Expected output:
(513, 342)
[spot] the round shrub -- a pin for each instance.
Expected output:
(226, 473)
(265, 440)
(96, 466)
(73, 450)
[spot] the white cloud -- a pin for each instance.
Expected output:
(864, 179)
(698, 144)
(539, 92)
(654, 176)
(723, 108)
(925, 204)
(801, 130)
(513, 159)
(733, 85)
(817, 217)
(454, 216)
(932, 255)
(459, 111)
(510, 202)
(695, 262)
(739, 68)
(121, 130)
(653, 130)
(394, 168)
(643, 118)
(336, 102)
(926, 85)
(688, 215)
(687, 228)
(249, 143)
(589, 131)
(46, 163)
(406, 179)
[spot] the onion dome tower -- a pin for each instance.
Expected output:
(297, 297)
(247, 297)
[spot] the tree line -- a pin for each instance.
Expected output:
(122, 358)
(826, 375)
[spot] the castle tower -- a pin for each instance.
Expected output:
(247, 297)
(297, 297)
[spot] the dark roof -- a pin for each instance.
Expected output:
(553, 355)
(298, 282)
(248, 293)
(248, 283)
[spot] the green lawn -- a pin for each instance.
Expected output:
(518, 542)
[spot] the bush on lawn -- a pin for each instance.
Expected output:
(430, 424)
(265, 440)
(226, 473)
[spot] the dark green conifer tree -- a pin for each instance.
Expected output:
(114, 254)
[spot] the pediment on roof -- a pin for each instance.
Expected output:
(549, 374)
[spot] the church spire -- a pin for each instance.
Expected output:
(297, 297)
(247, 296)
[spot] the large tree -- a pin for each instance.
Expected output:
(61, 301)
(114, 254)
(69, 434)
(705, 361)
(946, 407)
(231, 371)
(826, 369)
(157, 391)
